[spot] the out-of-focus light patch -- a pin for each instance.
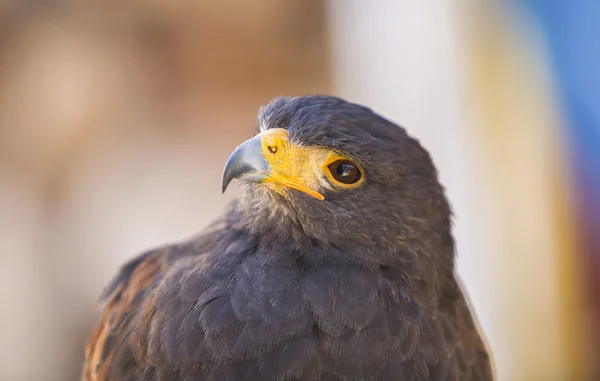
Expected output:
(513, 103)
(571, 31)
(61, 80)
(26, 317)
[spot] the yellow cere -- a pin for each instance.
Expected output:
(295, 166)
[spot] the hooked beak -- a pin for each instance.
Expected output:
(247, 163)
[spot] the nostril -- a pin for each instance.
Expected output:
(272, 149)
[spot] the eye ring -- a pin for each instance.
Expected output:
(345, 172)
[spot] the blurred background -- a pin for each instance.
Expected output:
(117, 117)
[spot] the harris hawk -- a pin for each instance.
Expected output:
(336, 262)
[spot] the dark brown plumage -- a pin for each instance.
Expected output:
(336, 263)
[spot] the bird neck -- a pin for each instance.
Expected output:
(280, 239)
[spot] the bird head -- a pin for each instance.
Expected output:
(340, 174)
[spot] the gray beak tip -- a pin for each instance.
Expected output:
(224, 187)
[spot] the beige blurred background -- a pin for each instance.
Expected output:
(117, 117)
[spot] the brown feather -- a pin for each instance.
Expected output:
(126, 296)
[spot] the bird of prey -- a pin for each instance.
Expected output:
(336, 262)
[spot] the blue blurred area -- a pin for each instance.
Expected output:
(572, 32)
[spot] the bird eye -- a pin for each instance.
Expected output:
(345, 171)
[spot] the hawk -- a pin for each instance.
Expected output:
(336, 262)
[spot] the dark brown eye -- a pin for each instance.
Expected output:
(344, 171)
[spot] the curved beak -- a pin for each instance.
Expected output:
(247, 163)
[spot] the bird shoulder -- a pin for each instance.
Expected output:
(123, 297)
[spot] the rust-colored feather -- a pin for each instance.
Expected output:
(127, 293)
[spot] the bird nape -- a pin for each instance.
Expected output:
(336, 262)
